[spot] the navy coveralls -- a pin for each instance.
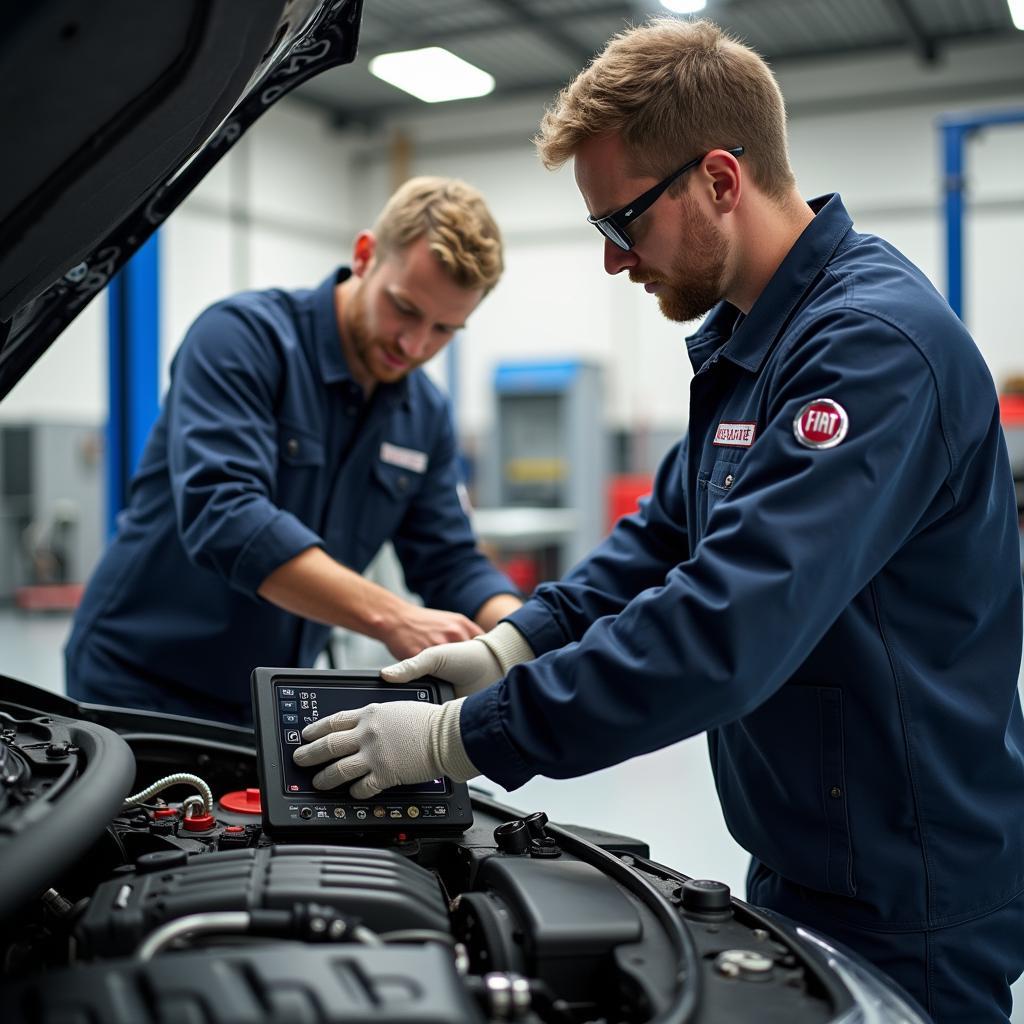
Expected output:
(845, 623)
(264, 449)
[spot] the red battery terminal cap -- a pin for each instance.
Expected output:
(242, 801)
(200, 823)
(165, 812)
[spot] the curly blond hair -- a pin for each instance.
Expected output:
(674, 89)
(456, 222)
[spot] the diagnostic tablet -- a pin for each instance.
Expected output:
(285, 701)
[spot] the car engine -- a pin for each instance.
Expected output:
(138, 886)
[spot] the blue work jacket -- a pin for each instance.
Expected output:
(264, 448)
(844, 621)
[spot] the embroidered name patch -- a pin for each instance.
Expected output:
(735, 435)
(407, 458)
(822, 423)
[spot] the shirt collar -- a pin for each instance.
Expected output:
(333, 366)
(748, 338)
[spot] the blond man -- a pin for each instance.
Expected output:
(826, 578)
(298, 435)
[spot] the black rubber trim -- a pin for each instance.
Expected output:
(58, 834)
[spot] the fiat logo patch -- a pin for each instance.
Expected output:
(821, 424)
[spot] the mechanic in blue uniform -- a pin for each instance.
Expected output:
(297, 436)
(826, 577)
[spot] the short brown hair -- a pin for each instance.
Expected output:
(674, 89)
(455, 220)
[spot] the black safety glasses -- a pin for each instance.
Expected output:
(613, 227)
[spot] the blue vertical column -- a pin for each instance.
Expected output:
(957, 129)
(953, 169)
(133, 344)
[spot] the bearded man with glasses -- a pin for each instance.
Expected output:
(826, 578)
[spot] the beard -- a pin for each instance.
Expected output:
(693, 284)
(361, 344)
(357, 332)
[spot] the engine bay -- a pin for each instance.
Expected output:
(140, 884)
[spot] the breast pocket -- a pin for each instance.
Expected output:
(390, 490)
(711, 488)
(300, 470)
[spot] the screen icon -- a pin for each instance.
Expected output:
(422, 695)
(292, 736)
(290, 719)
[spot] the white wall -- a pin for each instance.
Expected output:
(278, 210)
(69, 382)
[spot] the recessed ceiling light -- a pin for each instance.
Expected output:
(432, 74)
(1017, 13)
(684, 6)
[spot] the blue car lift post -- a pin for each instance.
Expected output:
(133, 347)
(956, 130)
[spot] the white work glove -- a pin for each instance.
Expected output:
(469, 665)
(384, 745)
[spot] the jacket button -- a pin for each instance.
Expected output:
(835, 792)
(292, 446)
(728, 480)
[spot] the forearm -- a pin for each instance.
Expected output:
(494, 609)
(314, 586)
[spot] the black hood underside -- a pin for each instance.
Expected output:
(110, 114)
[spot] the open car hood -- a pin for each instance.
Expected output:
(110, 114)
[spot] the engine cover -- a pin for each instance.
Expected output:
(381, 888)
(312, 985)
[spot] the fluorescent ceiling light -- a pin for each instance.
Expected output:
(684, 6)
(432, 74)
(1017, 13)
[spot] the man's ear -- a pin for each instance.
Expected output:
(363, 251)
(724, 179)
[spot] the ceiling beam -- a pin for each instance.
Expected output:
(923, 44)
(551, 32)
(548, 25)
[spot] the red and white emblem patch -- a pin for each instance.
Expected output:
(822, 423)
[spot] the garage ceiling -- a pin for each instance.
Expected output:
(534, 46)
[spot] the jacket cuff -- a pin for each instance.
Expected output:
(278, 541)
(508, 645)
(450, 753)
(469, 595)
(538, 625)
(485, 741)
